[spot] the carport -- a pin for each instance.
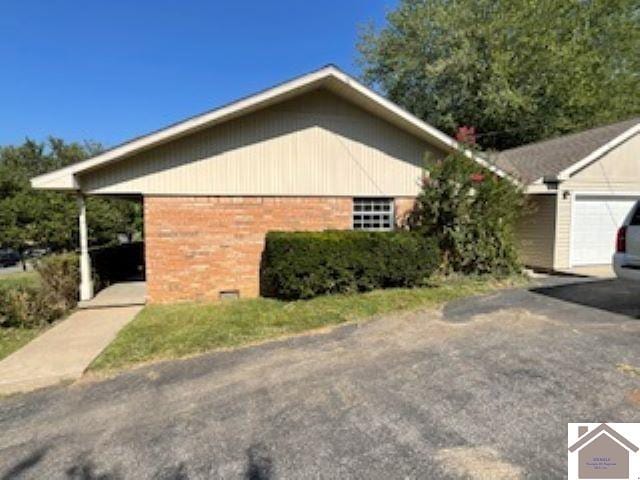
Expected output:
(120, 268)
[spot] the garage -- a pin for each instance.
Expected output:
(596, 220)
(580, 188)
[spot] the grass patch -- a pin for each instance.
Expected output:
(19, 279)
(172, 331)
(628, 369)
(11, 339)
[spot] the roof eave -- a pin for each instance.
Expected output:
(62, 182)
(542, 185)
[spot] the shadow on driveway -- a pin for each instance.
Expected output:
(260, 464)
(611, 295)
(26, 463)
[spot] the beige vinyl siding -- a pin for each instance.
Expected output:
(563, 232)
(617, 171)
(316, 144)
(536, 232)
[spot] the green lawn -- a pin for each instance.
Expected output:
(11, 338)
(16, 279)
(171, 331)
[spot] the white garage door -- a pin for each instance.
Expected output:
(595, 221)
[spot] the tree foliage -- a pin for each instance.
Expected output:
(32, 218)
(517, 70)
(473, 213)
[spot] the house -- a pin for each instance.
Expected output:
(581, 187)
(321, 151)
(602, 453)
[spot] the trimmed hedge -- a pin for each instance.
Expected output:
(299, 265)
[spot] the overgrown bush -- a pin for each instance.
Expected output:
(60, 278)
(298, 265)
(36, 304)
(25, 306)
(473, 213)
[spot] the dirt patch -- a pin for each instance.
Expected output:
(633, 397)
(477, 463)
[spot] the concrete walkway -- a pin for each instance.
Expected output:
(65, 351)
(122, 294)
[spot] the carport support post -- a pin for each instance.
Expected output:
(86, 285)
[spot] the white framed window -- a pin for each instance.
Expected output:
(373, 214)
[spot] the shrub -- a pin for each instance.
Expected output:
(25, 304)
(473, 213)
(306, 264)
(59, 279)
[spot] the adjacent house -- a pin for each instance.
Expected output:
(581, 187)
(321, 151)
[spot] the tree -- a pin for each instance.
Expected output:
(518, 71)
(32, 218)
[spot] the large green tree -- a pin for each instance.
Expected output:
(517, 70)
(31, 218)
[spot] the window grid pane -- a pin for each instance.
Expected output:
(373, 214)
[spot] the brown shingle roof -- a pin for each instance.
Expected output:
(550, 157)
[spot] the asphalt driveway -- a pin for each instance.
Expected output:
(483, 389)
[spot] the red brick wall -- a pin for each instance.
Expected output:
(199, 246)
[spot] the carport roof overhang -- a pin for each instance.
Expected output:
(329, 77)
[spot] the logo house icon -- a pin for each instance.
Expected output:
(601, 453)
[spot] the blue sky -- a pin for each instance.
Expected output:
(111, 70)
